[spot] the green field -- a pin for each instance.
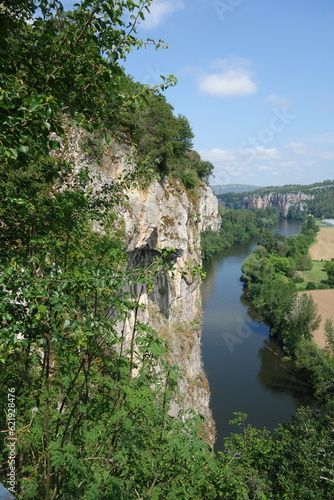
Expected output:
(316, 275)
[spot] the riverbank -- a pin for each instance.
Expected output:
(247, 371)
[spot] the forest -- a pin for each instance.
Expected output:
(87, 415)
(322, 204)
(236, 226)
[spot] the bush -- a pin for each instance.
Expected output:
(323, 286)
(311, 286)
(189, 179)
(298, 279)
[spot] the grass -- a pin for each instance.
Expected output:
(316, 275)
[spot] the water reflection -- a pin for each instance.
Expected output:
(244, 367)
(282, 376)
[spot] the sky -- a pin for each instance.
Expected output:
(255, 80)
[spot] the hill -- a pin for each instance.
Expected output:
(317, 199)
(234, 188)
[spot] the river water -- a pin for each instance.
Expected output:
(244, 366)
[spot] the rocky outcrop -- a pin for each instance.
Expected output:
(165, 216)
(282, 201)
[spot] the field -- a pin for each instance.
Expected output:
(315, 275)
(325, 302)
(323, 249)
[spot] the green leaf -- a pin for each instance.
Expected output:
(54, 145)
(34, 105)
(107, 138)
(23, 148)
(14, 153)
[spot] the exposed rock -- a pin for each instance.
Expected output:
(164, 216)
(282, 201)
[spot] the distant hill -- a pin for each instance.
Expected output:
(234, 188)
(318, 198)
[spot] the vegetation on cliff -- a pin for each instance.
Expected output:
(86, 410)
(91, 407)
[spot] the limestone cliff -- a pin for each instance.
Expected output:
(282, 201)
(164, 215)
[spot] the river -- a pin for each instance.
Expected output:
(244, 366)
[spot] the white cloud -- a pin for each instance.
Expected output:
(309, 151)
(264, 168)
(217, 154)
(326, 155)
(288, 164)
(277, 100)
(326, 138)
(311, 163)
(233, 79)
(160, 10)
(298, 148)
(261, 153)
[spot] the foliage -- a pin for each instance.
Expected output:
(329, 269)
(319, 368)
(93, 403)
(165, 140)
(329, 329)
(302, 320)
(236, 226)
(270, 276)
(296, 461)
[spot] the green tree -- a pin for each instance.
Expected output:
(93, 403)
(329, 329)
(329, 268)
(302, 320)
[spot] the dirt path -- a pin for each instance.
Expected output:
(324, 248)
(325, 302)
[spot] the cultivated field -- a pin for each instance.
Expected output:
(325, 302)
(324, 248)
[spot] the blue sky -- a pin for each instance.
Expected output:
(255, 80)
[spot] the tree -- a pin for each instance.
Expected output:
(274, 300)
(63, 64)
(205, 170)
(329, 329)
(257, 269)
(93, 404)
(302, 320)
(329, 268)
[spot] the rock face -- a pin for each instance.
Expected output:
(164, 216)
(161, 216)
(279, 200)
